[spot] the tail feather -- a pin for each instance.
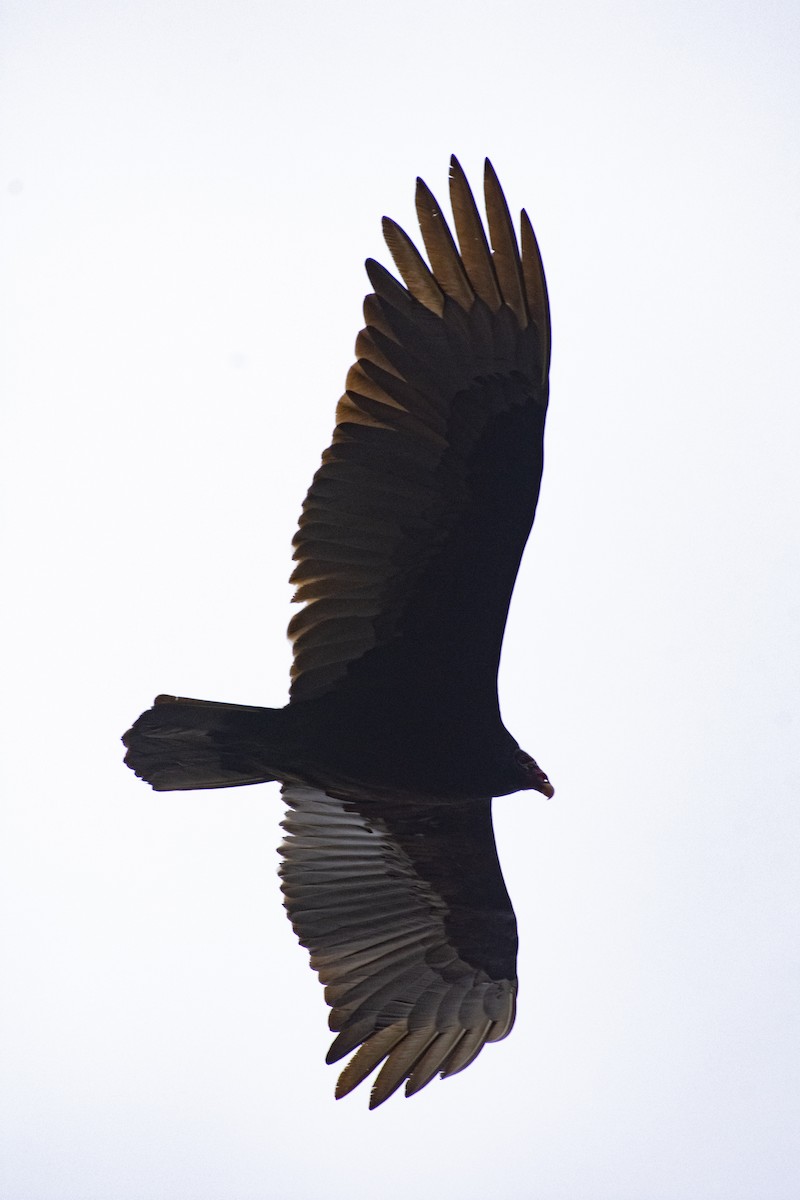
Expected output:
(182, 744)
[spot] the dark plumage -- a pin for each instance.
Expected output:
(391, 747)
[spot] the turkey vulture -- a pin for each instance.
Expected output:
(391, 746)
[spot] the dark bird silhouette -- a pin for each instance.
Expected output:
(391, 746)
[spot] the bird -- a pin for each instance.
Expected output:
(391, 748)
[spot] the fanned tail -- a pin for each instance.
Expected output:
(182, 744)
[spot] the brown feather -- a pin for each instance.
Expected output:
(399, 1064)
(467, 1050)
(362, 1064)
(411, 265)
(536, 289)
(472, 241)
(444, 257)
(432, 1060)
(506, 259)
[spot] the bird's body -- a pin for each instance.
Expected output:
(392, 745)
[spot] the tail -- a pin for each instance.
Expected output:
(181, 744)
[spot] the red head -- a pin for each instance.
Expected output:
(532, 774)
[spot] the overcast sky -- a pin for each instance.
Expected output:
(188, 192)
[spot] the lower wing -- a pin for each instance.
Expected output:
(409, 926)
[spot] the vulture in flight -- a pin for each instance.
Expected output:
(391, 746)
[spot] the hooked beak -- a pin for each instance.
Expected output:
(544, 786)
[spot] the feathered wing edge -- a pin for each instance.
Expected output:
(480, 310)
(401, 993)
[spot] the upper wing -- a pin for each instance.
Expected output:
(410, 927)
(413, 528)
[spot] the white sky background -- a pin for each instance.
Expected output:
(188, 194)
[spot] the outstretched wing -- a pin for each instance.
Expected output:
(409, 925)
(412, 531)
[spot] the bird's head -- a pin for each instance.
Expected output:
(531, 774)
